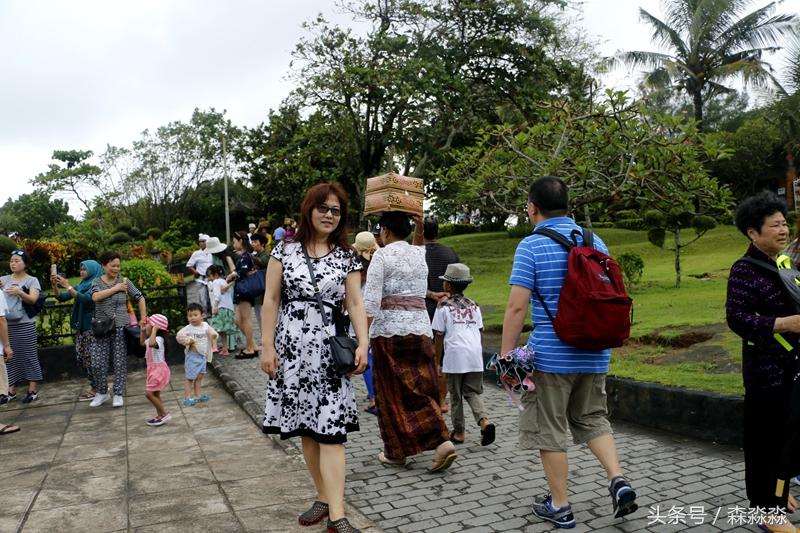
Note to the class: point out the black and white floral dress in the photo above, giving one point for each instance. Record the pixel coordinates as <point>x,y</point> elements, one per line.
<point>307,397</point>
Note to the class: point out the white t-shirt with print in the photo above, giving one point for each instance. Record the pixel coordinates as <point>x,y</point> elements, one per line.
<point>200,334</point>
<point>460,320</point>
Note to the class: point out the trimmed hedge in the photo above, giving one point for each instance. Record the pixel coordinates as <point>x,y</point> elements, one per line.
<point>448,230</point>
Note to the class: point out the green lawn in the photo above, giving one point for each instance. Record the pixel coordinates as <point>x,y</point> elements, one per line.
<point>658,305</point>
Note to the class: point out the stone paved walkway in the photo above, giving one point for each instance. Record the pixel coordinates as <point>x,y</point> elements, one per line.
<point>683,484</point>
<point>490,489</point>
<point>77,469</point>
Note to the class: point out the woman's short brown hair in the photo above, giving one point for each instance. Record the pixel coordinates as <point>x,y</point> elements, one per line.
<point>316,196</point>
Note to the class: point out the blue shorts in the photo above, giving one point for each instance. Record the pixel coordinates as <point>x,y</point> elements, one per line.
<point>194,365</point>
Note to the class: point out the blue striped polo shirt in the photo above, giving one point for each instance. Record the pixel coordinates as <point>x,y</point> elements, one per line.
<point>541,262</point>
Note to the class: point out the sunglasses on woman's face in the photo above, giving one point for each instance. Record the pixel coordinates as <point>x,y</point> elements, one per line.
<point>324,209</point>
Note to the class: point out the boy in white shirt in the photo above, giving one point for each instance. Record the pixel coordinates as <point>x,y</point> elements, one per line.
<point>457,326</point>
<point>200,340</point>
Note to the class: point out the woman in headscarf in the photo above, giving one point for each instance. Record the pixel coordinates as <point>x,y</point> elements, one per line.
<point>82,313</point>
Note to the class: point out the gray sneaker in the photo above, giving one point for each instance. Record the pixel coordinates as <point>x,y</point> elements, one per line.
<point>561,517</point>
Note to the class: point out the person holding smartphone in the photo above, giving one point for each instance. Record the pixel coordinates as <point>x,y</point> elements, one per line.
<point>81,318</point>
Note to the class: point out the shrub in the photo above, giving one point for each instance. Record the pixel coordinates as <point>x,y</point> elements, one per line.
<point>635,224</point>
<point>182,255</point>
<point>153,233</point>
<point>123,227</point>
<point>632,266</point>
<point>520,231</point>
<point>146,273</point>
<point>119,237</point>
<point>7,245</point>
<point>135,232</point>
<point>448,230</point>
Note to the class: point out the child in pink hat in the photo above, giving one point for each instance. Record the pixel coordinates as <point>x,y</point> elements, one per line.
<point>158,372</point>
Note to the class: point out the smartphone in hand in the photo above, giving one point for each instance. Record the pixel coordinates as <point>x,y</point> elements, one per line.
<point>53,270</point>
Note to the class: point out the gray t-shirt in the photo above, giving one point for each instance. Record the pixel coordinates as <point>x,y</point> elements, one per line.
<point>31,283</point>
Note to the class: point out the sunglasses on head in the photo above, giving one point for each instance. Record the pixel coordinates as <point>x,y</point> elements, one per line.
<point>20,253</point>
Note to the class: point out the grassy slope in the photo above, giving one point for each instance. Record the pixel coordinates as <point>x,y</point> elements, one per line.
<point>657,304</point>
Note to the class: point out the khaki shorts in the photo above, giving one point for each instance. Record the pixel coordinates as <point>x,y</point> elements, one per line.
<point>559,401</point>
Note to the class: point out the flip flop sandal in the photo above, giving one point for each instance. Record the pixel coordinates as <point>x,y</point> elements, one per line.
<point>487,435</point>
<point>454,440</point>
<point>385,461</point>
<point>85,397</point>
<point>7,428</point>
<point>444,463</point>
<point>314,514</point>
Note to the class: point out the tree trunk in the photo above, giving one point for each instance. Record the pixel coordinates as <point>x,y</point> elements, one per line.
<point>677,234</point>
<point>697,101</point>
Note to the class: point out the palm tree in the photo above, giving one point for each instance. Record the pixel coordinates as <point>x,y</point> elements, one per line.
<point>710,42</point>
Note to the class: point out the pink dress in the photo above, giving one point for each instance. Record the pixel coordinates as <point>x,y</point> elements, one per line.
<point>158,372</point>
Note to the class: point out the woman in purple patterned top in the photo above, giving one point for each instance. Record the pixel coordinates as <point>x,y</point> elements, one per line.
<point>759,312</point>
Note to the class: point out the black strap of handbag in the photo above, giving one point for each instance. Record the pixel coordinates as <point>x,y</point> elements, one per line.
<point>317,294</point>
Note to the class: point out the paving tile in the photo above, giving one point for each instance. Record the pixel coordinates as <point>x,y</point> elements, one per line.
<point>80,490</point>
<point>108,515</point>
<point>218,523</point>
<point>171,506</point>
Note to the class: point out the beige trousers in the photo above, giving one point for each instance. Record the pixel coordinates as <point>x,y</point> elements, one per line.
<point>3,376</point>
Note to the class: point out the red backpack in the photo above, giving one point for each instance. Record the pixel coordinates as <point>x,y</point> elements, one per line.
<point>594,310</point>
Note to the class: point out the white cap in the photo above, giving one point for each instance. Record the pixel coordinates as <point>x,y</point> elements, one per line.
<point>202,237</point>
<point>251,225</point>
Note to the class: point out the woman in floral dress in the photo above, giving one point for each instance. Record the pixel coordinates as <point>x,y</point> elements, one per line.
<point>305,395</point>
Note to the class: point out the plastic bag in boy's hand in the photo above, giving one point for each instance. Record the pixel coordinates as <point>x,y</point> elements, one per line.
<point>515,372</point>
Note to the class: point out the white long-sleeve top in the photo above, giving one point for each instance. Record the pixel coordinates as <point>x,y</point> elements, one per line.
<point>398,269</point>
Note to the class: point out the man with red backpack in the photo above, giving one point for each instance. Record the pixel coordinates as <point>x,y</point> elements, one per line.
<point>579,311</point>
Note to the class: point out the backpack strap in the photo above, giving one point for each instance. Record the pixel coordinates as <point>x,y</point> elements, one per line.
<point>758,262</point>
<point>772,268</point>
<point>569,244</point>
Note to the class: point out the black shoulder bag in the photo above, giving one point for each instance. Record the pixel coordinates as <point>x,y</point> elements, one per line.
<point>343,347</point>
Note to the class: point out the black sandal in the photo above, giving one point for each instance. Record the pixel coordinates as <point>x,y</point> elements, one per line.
<point>314,515</point>
<point>454,440</point>
<point>341,526</point>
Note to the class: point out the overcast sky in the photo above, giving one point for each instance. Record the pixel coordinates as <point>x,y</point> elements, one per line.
<point>85,73</point>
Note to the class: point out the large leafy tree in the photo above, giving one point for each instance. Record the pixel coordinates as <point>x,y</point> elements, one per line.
<point>427,75</point>
<point>156,179</point>
<point>34,215</point>
<point>709,43</point>
<point>75,176</point>
<point>609,150</point>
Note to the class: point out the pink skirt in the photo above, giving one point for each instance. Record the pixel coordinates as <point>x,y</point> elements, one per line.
<point>158,375</point>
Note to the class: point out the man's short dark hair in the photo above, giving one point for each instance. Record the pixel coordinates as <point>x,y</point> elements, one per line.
<point>194,306</point>
<point>397,223</point>
<point>754,210</point>
<point>430,229</point>
<point>260,237</point>
<point>550,195</point>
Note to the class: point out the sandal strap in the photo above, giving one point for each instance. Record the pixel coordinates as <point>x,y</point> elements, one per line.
<point>342,526</point>
<point>315,513</point>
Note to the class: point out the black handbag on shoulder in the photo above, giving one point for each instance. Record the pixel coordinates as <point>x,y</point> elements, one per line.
<point>103,327</point>
<point>343,347</point>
